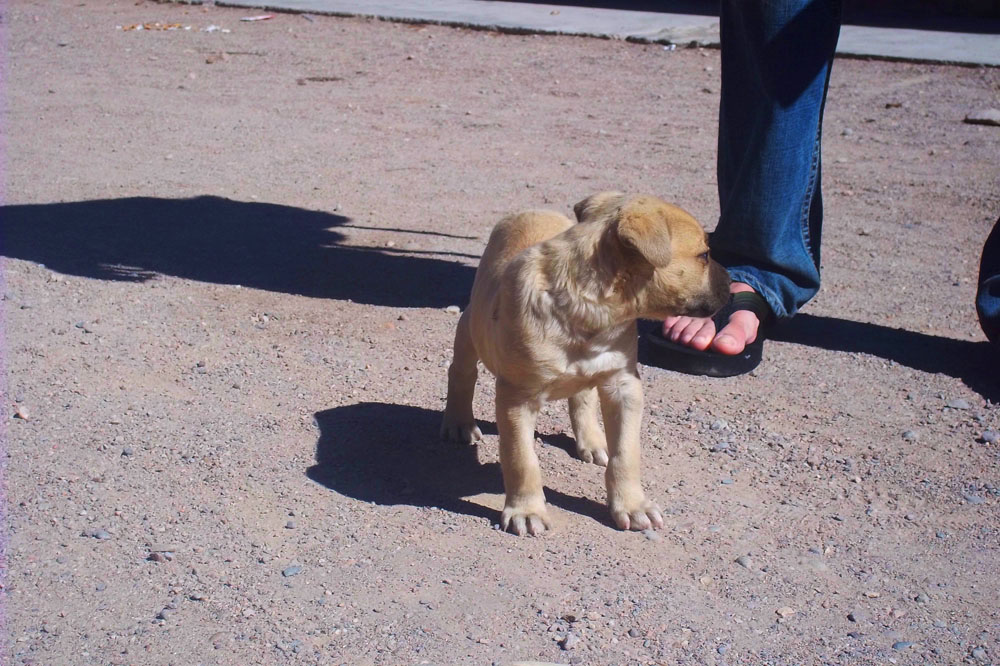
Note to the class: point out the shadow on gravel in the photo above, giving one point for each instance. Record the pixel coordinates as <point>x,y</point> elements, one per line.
<point>390,454</point>
<point>212,239</point>
<point>974,363</point>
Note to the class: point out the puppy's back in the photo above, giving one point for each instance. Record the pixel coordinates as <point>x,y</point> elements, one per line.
<point>512,235</point>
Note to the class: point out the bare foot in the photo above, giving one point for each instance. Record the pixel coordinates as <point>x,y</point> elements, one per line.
<point>699,333</point>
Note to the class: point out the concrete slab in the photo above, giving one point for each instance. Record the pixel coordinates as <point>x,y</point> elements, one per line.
<point>516,17</point>
<point>665,28</point>
<point>920,45</point>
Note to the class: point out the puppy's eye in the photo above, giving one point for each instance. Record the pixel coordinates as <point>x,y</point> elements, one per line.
<point>703,257</point>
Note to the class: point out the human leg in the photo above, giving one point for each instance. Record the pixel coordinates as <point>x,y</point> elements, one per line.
<point>988,294</point>
<point>776,59</point>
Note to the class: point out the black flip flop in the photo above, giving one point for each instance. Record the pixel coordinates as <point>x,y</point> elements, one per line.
<point>670,355</point>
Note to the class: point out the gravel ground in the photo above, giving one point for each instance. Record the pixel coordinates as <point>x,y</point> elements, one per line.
<point>229,260</point>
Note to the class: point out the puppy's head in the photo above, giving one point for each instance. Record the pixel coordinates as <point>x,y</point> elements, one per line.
<point>662,255</point>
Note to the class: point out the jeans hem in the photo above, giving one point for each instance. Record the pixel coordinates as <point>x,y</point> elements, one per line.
<point>769,295</point>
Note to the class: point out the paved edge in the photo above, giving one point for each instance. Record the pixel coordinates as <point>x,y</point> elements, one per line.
<point>513,17</point>
<point>895,44</point>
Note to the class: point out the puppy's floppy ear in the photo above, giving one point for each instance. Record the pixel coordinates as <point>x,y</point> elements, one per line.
<point>640,228</point>
<point>598,205</point>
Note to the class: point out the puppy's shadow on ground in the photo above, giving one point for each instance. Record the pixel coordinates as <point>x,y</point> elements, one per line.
<point>391,455</point>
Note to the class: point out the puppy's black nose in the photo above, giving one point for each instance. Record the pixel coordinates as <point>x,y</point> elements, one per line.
<point>718,280</point>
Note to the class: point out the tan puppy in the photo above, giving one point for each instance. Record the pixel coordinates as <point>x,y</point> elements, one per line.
<point>552,315</point>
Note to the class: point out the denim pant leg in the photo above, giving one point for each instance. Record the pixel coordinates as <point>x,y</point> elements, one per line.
<point>988,294</point>
<point>776,59</point>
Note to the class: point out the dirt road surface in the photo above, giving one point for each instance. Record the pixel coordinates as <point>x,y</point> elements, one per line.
<point>230,256</point>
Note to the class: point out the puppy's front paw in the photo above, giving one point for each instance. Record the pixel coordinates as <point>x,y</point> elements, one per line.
<point>531,519</point>
<point>461,432</point>
<point>592,452</point>
<point>643,516</point>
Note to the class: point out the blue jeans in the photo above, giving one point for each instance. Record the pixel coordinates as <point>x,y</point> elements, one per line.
<point>776,58</point>
<point>988,294</point>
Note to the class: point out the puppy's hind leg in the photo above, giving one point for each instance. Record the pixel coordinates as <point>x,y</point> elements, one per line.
<point>591,445</point>
<point>459,425</point>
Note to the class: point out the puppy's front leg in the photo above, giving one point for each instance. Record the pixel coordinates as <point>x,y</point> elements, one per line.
<point>621,405</point>
<point>524,507</point>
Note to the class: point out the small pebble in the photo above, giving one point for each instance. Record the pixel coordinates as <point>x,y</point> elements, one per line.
<point>290,525</point>
<point>164,614</point>
<point>720,447</point>
<point>744,561</point>
<point>634,633</point>
<point>719,424</point>
<point>990,437</point>
<point>958,403</point>
<point>941,535</point>
<point>973,499</point>
<point>293,570</point>
<point>128,451</point>
<point>984,117</point>
<point>569,642</point>
<point>910,435</point>
<point>979,654</point>
<point>921,598</point>
<point>940,624</point>
<point>453,309</point>
<point>901,645</point>
<point>855,616</point>
<point>651,534</point>
<point>785,611</point>
<point>22,413</point>
<point>723,649</point>
<point>99,534</point>
<point>100,587</point>
<point>727,482</point>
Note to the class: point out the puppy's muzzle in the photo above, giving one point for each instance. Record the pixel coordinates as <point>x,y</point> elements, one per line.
<point>715,297</point>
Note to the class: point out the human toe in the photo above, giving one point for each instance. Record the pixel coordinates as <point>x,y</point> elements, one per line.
<point>674,326</point>
<point>698,334</point>
<point>737,334</point>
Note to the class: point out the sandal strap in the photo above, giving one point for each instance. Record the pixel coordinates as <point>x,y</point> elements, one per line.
<point>755,303</point>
